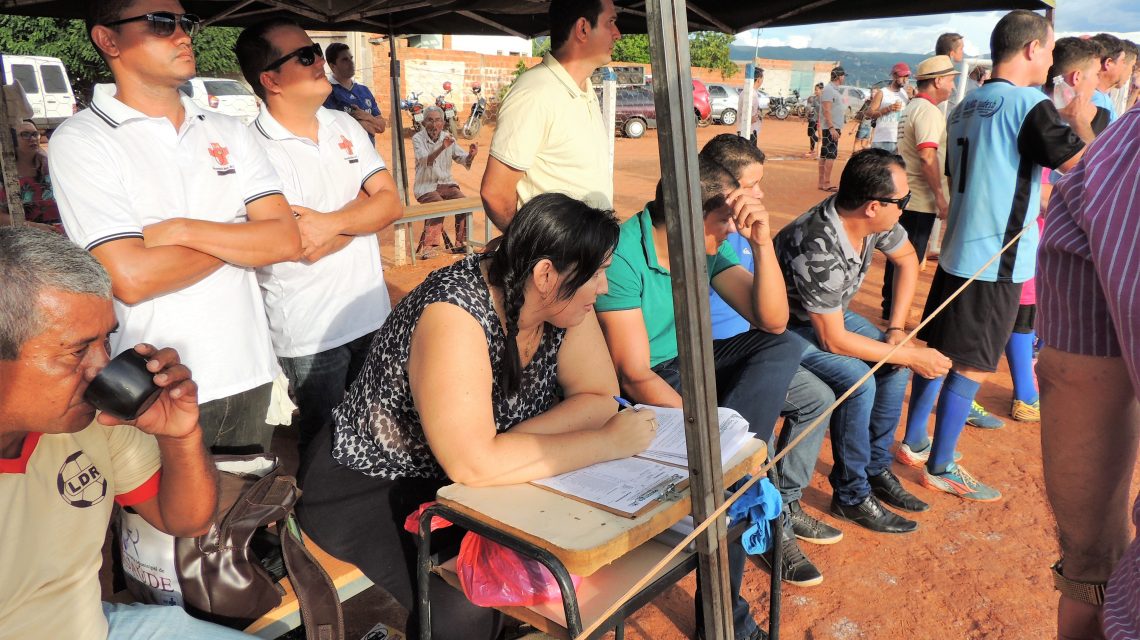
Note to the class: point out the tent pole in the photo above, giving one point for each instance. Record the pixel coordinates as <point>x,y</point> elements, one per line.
<point>677,142</point>
<point>399,162</point>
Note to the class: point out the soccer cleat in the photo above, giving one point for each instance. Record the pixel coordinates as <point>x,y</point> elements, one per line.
<point>917,458</point>
<point>983,419</point>
<point>1026,411</point>
<point>959,482</point>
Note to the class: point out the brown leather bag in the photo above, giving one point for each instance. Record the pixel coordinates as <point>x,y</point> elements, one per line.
<point>230,574</point>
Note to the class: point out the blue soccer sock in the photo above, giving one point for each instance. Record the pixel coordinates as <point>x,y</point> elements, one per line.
<point>923,395</point>
<point>1019,353</point>
<point>953,409</point>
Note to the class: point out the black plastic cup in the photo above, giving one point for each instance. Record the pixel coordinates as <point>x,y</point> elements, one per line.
<point>124,388</point>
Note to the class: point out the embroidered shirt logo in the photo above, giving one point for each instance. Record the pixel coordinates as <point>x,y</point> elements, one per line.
<point>221,155</point>
<point>346,144</point>
<point>80,482</point>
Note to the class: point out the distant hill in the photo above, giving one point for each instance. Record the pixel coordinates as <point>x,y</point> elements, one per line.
<point>864,68</point>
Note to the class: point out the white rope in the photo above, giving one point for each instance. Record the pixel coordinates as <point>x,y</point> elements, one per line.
<point>697,530</point>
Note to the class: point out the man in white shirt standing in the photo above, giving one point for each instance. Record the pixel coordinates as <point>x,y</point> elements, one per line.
<point>435,150</point>
<point>323,309</point>
<point>180,205</point>
<point>887,106</point>
<point>550,135</point>
<point>756,117</point>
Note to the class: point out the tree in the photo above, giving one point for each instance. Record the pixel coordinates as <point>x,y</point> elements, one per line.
<point>540,46</point>
<point>68,41</point>
<point>632,48</point>
<point>710,50</point>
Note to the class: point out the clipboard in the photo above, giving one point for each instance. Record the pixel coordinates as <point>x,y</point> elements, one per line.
<point>646,495</point>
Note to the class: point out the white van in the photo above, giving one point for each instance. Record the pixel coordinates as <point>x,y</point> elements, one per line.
<point>45,82</point>
<point>231,97</point>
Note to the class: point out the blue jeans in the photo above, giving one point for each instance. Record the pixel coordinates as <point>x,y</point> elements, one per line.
<point>863,427</point>
<point>808,396</point>
<point>156,622</point>
<point>753,371</point>
<point>236,424</point>
<point>320,380</point>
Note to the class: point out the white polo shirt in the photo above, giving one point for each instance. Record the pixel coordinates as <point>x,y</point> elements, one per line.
<point>315,307</point>
<point>116,171</point>
<point>552,130</point>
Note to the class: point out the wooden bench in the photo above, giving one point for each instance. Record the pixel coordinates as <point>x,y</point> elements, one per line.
<point>405,246</point>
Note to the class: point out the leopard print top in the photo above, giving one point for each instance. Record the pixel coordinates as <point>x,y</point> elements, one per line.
<point>377,429</point>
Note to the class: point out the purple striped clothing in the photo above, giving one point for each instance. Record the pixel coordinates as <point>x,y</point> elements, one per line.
<point>1088,284</point>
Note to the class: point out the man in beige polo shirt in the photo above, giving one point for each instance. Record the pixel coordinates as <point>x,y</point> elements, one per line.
<point>922,144</point>
<point>550,134</point>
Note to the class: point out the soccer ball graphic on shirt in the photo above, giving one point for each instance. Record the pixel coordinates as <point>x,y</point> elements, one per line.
<point>80,482</point>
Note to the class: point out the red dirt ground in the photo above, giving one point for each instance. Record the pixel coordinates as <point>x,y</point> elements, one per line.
<point>970,571</point>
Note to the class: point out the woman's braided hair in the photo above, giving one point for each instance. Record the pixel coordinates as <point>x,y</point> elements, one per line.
<point>574,236</point>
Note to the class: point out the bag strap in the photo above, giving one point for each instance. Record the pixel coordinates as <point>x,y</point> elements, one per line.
<point>316,595</point>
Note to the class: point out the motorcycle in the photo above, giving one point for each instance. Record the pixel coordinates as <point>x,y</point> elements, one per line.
<point>415,110</point>
<point>478,108</point>
<point>780,107</point>
<point>448,108</point>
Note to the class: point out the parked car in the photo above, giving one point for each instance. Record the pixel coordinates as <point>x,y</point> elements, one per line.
<point>223,95</point>
<point>724,101</point>
<point>634,111</point>
<point>45,83</point>
<point>702,104</point>
<point>854,98</point>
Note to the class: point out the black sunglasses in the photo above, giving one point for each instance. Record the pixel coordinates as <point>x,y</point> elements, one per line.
<point>305,55</point>
<point>901,202</point>
<point>162,23</point>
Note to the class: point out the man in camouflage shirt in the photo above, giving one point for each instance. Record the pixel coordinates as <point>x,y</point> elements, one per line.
<point>824,255</point>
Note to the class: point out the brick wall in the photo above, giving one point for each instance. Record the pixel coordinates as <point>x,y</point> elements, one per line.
<point>425,70</point>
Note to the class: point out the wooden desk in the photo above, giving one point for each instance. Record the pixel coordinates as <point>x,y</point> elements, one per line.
<point>569,536</point>
<point>405,247</point>
<point>582,537</point>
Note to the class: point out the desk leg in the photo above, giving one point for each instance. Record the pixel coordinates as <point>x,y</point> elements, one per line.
<point>524,548</point>
<point>423,576</point>
<point>401,231</point>
<point>486,229</point>
<point>777,567</point>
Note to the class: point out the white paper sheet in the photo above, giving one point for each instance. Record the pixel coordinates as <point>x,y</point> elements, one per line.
<point>625,485</point>
<point>669,445</point>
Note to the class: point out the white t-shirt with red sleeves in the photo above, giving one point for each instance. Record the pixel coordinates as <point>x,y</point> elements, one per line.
<point>56,501</point>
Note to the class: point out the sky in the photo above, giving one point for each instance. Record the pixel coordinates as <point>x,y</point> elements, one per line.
<point>917,35</point>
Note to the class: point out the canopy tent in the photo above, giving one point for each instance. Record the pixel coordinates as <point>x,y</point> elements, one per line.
<point>527,18</point>
<point>667,22</point>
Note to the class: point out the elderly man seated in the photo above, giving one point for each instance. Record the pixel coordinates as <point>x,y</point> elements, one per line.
<point>61,469</point>
<point>435,150</point>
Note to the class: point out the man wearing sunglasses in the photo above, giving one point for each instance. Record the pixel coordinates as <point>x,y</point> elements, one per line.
<point>349,96</point>
<point>825,254</point>
<point>179,204</point>
<point>323,309</point>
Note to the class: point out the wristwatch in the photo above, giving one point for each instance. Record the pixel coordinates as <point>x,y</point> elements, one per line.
<point>1087,592</point>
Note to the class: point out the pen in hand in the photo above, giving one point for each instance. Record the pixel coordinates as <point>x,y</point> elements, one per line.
<point>625,404</point>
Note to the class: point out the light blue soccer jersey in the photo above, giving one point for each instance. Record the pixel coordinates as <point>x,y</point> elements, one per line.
<point>1102,101</point>
<point>999,138</point>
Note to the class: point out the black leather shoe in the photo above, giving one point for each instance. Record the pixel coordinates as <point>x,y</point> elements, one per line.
<point>795,568</point>
<point>809,529</point>
<point>886,487</point>
<point>871,515</point>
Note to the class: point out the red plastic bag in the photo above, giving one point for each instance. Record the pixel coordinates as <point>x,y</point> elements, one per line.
<point>412,522</point>
<point>495,576</point>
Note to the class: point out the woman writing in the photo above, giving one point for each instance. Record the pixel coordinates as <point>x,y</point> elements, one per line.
<point>35,183</point>
<point>462,385</point>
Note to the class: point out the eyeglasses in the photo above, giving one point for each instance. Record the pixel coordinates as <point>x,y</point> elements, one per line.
<point>30,135</point>
<point>305,55</point>
<point>162,23</point>
<point>901,202</point>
